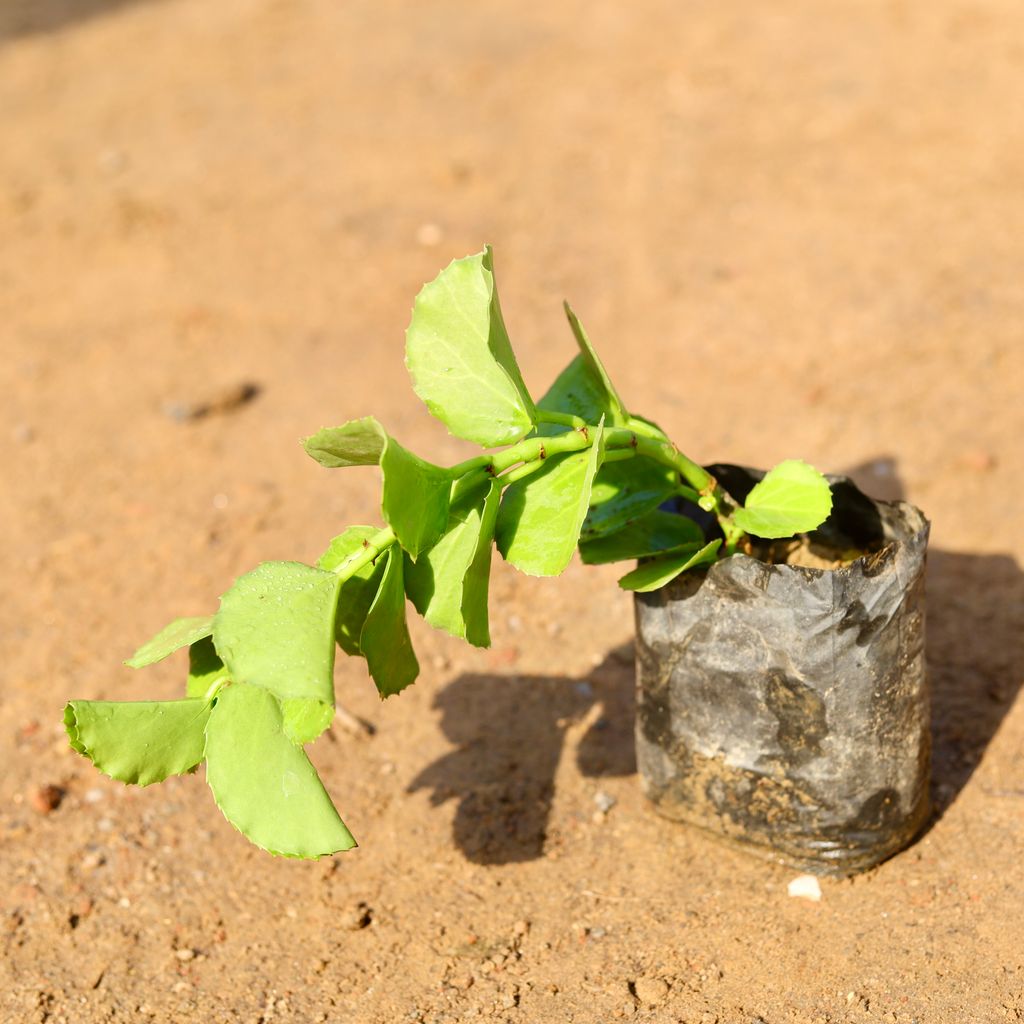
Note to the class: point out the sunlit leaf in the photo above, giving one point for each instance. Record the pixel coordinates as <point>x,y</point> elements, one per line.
<point>460,359</point>
<point>652,533</point>
<point>356,443</point>
<point>180,633</point>
<point>540,516</point>
<point>385,641</point>
<point>478,577</point>
<point>792,498</point>
<point>138,742</point>
<point>275,629</point>
<point>263,783</point>
<point>659,571</point>
<point>616,409</point>
<point>359,590</point>
<point>415,498</point>
<point>448,585</point>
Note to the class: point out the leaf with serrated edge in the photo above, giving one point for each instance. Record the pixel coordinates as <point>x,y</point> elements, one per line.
<point>139,742</point>
<point>460,358</point>
<point>659,571</point>
<point>478,577</point>
<point>414,499</point>
<point>359,590</point>
<point>356,443</point>
<point>180,633</point>
<point>651,534</point>
<point>275,629</point>
<point>263,783</point>
<point>204,667</point>
<point>541,515</point>
<point>792,498</point>
<point>625,491</point>
<point>385,641</point>
<point>617,414</point>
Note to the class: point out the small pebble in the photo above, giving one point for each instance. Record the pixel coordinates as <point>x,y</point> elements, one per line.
<point>650,991</point>
<point>184,955</point>
<point>45,799</point>
<point>357,917</point>
<point>520,928</point>
<point>805,887</point>
<point>604,801</point>
<point>93,796</point>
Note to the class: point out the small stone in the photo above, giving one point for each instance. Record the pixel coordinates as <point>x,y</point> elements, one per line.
<point>45,799</point>
<point>520,928</point>
<point>598,932</point>
<point>461,981</point>
<point>184,955</point>
<point>650,991</point>
<point>805,887</point>
<point>604,801</point>
<point>92,860</point>
<point>93,796</point>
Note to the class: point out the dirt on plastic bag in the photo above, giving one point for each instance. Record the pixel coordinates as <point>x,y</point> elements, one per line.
<point>786,707</point>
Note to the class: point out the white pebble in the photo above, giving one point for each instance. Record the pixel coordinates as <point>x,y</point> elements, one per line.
<point>805,887</point>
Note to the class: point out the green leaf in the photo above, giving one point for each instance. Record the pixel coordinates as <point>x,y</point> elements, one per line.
<point>651,534</point>
<point>305,718</point>
<point>204,667</point>
<point>448,585</point>
<point>460,358</point>
<point>625,491</point>
<point>415,498</point>
<point>610,397</point>
<point>792,498</point>
<point>275,630</point>
<point>356,443</point>
<point>385,641</point>
<point>478,578</point>
<point>659,571</point>
<point>263,783</point>
<point>138,742</point>
<point>180,633</point>
<point>541,515</point>
<point>359,590</point>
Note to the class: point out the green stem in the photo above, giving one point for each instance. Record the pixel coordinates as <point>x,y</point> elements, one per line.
<point>371,549</point>
<point>563,419</point>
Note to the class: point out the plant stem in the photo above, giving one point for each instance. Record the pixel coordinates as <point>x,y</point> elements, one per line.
<point>561,418</point>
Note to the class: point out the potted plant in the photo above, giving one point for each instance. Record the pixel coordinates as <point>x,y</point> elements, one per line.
<point>745,725</point>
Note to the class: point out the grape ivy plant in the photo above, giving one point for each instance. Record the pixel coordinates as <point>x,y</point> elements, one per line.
<point>576,469</point>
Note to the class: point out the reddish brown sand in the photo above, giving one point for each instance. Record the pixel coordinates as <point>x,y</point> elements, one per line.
<point>794,229</point>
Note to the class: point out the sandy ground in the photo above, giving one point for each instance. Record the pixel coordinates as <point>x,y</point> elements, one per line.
<point>793,229</point>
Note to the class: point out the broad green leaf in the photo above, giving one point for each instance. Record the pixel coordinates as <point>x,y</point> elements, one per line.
<point>541,515</point>
<point>478,578</point>
<point>651,534</point>
<point>305,718</point>
<point>575,391</point>
<point>460,359</point>
<point>792,498</point>
<point>625,491</point>
<point>204,667</point>
<point>263,783</point>
<point>415,498</point>
<point>445,584</point>
<point>356,443</point>
<point>275,630</point>
<point>138,742</point>
<point>659,571</point>
<point>359,590</point>
<point>385,641</point>
<point>616,409</point>
<point>180,633</point>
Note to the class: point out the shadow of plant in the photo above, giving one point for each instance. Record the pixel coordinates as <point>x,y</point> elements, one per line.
<point>32,17</point>
<point>509,731</point>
